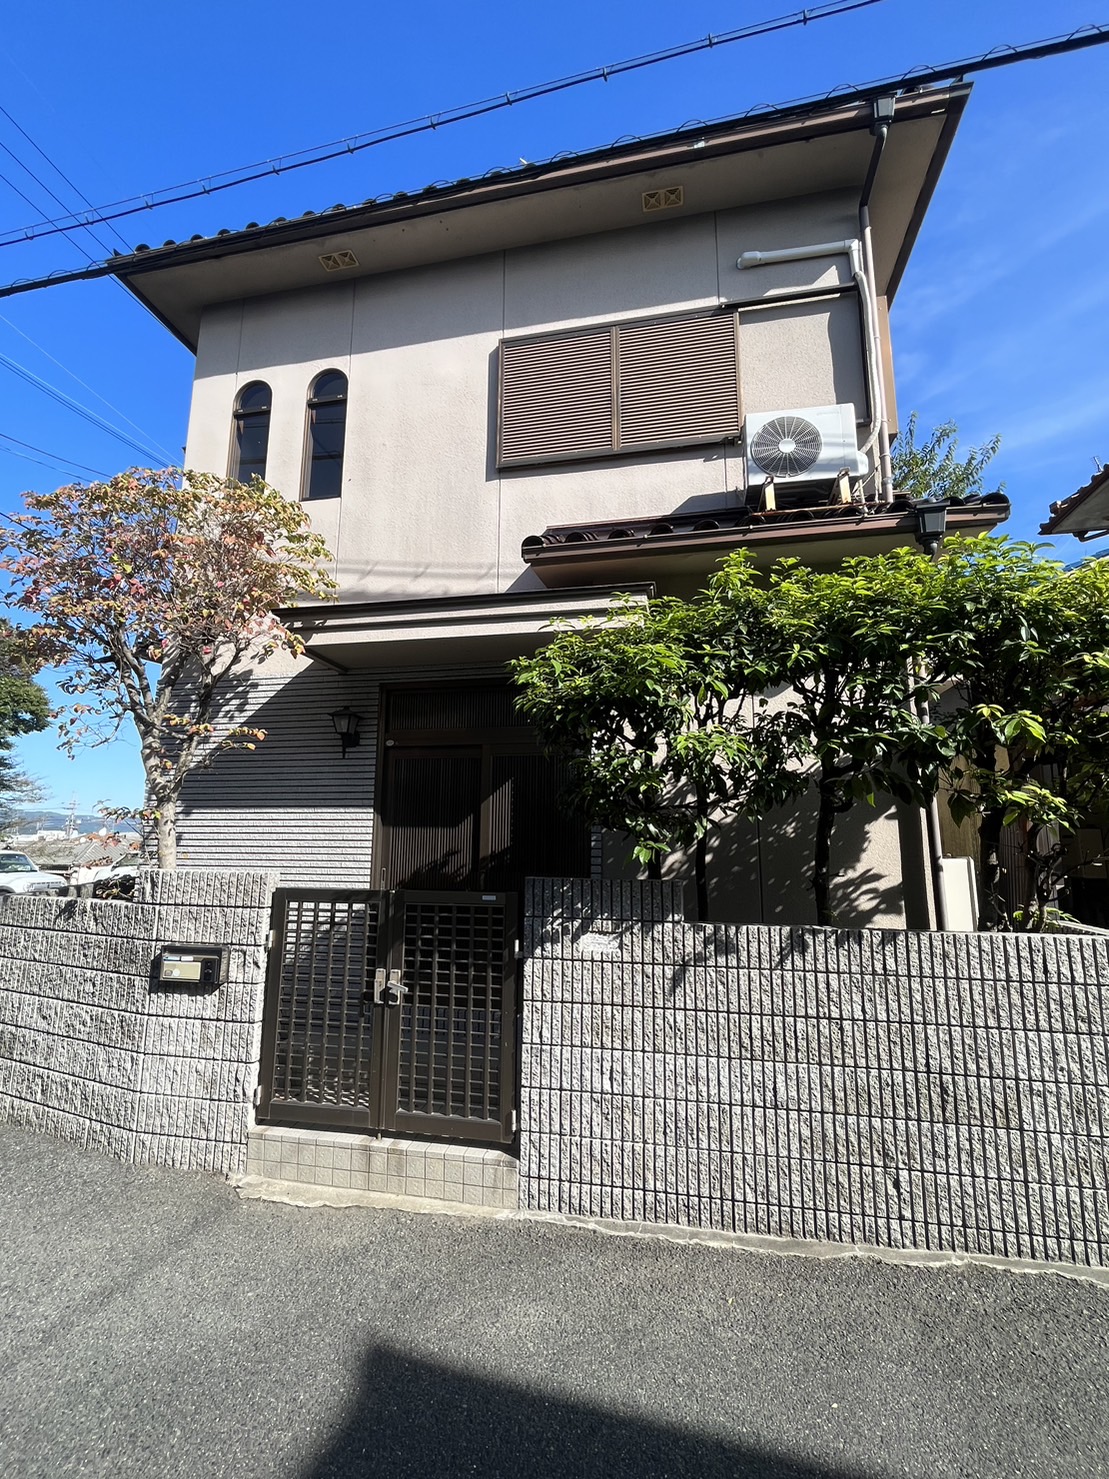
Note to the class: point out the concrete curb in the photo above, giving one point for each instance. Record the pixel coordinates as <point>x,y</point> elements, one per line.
<point>296,1194</point>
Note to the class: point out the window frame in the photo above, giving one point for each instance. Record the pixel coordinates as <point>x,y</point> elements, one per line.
<point>312,403</point>
<point>239,418</point>
<point>730,311</point>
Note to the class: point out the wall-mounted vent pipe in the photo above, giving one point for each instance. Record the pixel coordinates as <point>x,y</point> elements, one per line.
<point>852,249</point>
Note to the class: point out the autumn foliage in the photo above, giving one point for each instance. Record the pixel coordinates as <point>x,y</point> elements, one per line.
<point>149,591</point>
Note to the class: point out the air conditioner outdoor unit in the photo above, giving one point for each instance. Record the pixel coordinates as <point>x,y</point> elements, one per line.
<point>801,446</point>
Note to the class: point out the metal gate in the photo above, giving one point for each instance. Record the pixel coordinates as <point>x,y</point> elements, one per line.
<point>392,1011</point>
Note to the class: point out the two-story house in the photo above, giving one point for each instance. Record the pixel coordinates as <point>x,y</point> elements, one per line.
<point>503,400</point>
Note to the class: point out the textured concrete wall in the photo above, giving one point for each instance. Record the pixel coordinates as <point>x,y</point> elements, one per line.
<point>90,1053</point>
<point>424,511</point>
<point>884,1087</point>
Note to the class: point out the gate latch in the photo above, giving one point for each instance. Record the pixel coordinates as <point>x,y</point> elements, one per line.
<point>389,991</point>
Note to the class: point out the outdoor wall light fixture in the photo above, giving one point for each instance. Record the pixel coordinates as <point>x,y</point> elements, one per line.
<point>346,723</point>
<point>931,524</point>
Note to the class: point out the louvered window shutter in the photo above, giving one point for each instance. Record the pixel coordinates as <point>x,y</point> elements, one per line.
<point>626,386</point>
<point>556,396</point>
<point>678,381</point>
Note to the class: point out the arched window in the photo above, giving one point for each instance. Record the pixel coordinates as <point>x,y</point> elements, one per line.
<point>327,423</point>
<point>252,431</point>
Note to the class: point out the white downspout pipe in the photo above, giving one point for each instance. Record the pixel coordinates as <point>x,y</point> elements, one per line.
<point>855,250</point>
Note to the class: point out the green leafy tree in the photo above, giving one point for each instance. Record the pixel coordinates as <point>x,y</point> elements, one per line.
<point>851,642</point>
<point>652,708</point>
<point>19,792</point>
<point>149,591</point>
<point>24,709</point>
<point>933,468</point>
<point>1027,664</point>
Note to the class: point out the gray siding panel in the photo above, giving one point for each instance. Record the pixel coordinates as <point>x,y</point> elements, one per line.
<point>293,804</point>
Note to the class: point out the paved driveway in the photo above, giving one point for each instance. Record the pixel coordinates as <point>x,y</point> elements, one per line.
<point>154,1324</point>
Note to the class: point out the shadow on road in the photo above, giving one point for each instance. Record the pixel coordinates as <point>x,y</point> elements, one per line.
<point>414,1417</point>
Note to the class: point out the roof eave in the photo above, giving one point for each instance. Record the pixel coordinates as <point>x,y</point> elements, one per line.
<point>705,142</point>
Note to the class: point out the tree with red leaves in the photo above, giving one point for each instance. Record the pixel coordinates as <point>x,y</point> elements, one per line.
<point>149,591</point>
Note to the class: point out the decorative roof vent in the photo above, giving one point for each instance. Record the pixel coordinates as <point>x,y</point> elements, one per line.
<point>338,261</point>
<point>665,199</point>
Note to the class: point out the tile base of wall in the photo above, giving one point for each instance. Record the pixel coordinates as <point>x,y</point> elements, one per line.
<point>466,1174</point>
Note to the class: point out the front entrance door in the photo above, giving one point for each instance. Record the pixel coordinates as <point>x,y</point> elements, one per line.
<point>468,800</point>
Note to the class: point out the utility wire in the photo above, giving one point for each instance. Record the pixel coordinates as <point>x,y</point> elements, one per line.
<point>38,461</point>
<point>53,196</point>
<point>429,123</point>
<point>162,455</point>
<point>62,175</point>
<point>1006,56</point>
<point>85,386</point>
<point>56,457</point>
<point>76,406</point>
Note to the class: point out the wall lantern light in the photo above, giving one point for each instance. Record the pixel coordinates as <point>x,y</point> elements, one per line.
<point>931,524</point>
<point>346,723</point>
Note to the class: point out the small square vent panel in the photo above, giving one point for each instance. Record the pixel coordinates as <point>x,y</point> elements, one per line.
<point>665,199</point>
<point>338,261</point>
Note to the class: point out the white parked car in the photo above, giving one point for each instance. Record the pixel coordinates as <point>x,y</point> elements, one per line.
<point>18,875</point>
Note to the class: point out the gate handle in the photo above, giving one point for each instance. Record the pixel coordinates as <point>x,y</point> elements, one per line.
<point>389,991</point>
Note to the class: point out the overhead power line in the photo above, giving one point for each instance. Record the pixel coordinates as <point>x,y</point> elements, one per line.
<point>1006,56</point>
<point>39,150</point>
<point>88,256</point>
<point>429,123</point>
<point>76,406</point>
<point>56,458</point>
<point>162,453</point>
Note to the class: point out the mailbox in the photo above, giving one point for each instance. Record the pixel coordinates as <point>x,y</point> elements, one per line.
<point>199,967</point>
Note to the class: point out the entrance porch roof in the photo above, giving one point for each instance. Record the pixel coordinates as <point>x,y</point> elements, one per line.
<point>455,630</point>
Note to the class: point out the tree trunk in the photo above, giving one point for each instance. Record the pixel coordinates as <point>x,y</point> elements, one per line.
<point>822,852</point>
<point>992,916</point>
<point>166,833</point>
<point>700,861</point>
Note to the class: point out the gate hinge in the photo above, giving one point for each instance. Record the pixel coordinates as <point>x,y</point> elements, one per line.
<point>513,1122</point>
<point>269,939</point>
<point>256,1097</point>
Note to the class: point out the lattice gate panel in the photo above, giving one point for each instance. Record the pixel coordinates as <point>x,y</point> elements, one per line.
<point>457,1024</point>
<point>317,1067</point>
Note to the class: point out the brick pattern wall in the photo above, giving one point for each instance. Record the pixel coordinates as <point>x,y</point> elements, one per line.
<point>90,1053</point>
<point>882,1087</point>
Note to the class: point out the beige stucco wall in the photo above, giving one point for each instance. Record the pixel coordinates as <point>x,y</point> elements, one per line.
<point>424,511</point>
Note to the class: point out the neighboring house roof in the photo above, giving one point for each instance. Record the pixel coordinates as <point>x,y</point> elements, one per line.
<point>1085,513</point>
<point>774,155</point>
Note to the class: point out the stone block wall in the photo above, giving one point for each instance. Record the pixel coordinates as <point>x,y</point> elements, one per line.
<point>881,1087</point>
<point>90,1052</point>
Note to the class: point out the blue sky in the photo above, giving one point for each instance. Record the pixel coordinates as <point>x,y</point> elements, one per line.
<point>999,322</point>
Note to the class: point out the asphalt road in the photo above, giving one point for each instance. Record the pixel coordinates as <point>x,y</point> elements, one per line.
<point>154,1324</point>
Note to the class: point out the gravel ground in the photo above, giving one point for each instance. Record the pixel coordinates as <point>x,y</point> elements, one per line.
<point>155,1324</point>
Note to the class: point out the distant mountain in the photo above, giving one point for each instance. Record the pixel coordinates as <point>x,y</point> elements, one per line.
<point>57,821</point>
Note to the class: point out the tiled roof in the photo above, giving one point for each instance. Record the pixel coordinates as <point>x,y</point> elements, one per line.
<point>705,525</point>
<point>534,170</point>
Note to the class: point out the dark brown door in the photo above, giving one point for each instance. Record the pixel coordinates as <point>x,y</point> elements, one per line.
<point>477,817</point>
<point>431,817</point>
<point>450,1042</point>
<point>467,799</point>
